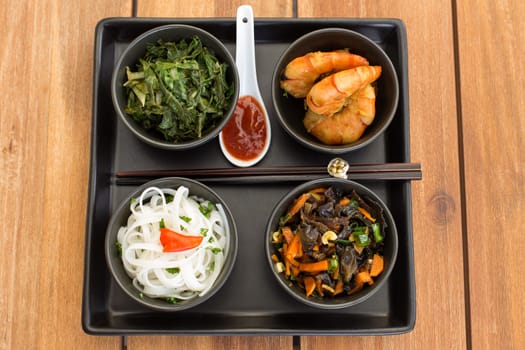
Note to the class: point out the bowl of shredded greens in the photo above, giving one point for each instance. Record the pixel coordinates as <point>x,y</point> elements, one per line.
<point>175,87</point>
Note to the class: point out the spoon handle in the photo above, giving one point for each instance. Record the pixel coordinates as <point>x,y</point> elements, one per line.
<point>245,46</point>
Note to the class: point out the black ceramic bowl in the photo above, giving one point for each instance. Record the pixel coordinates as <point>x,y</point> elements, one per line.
<point>119,219</point>
<point>291,111</point>
<point>137,49</point>
<point>342,300</point>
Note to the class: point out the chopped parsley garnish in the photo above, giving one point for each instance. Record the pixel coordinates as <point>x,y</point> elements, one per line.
<point>173,270</point>
<point>171,300</point>
<point>162,224</point>
<point>204,231</point>
<point>215,250</point>
<point>119,248</point>
<point>206,209</point>
<point>185,218</point>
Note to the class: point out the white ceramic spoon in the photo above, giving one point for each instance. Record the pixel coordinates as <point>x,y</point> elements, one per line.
<point>245,61</point>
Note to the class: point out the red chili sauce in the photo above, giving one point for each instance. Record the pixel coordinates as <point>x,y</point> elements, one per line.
<point>245,134</point>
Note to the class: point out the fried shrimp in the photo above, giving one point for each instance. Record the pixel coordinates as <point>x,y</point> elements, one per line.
<point>334,92</point>
<point>302,72</point>
<point>347,125</point>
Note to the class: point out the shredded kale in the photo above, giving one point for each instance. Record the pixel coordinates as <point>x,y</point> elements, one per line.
<point>179,90</point>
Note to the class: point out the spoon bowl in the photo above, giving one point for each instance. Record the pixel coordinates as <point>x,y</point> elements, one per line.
<point>249,88</point>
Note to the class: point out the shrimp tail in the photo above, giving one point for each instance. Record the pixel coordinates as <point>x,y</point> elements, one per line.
<point>332,93</point>
<point>302,72</point>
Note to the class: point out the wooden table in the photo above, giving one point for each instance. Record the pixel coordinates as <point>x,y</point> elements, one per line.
<point>467,112</point>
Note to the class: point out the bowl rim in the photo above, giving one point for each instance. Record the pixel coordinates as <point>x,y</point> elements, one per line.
<point>129,123</point>
<point>356,298</point>
<point>109,242</point>
<point>312,143</point>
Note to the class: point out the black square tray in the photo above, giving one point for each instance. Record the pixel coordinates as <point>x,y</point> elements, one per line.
<point>251,302</point>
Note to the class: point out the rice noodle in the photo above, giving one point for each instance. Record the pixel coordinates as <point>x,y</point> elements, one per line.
<point>179,275</point>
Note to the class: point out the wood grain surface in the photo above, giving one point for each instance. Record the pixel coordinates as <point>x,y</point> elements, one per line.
<point>467,111</point>
<point>492,76</point>
<point>46,69</point>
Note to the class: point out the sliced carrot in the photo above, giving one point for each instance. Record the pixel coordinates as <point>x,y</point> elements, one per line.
<point>287,234</point>
<point>286,262</point>
<point>275,259</point>
<point>364,277</point>
<point>287,268</point>
<point>294,270</point>
<point>309,285</point>
<point>377,265</point>
<point>295,248</point>
<point>338,287</point>
<point>315,248</point>
<point>318,190</point>
<point>335,274</point>
<point>356,289</point>
<point>366,214</point>
<point>344,201</point>
<point>297,205</point>
<point>319,286</point>
<point>317,266</point>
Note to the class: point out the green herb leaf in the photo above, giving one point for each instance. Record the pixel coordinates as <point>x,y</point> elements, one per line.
<point>173,270</point>
<point>215,250</point>
<point>206,209</point>
<point>171,300</point>
<point>119,248</point>
<point>185,218</point>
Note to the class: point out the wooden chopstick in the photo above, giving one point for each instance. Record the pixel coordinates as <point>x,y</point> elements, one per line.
<point>381,171</point>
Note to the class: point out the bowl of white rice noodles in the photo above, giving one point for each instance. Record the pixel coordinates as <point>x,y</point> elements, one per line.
<point>171,244</point>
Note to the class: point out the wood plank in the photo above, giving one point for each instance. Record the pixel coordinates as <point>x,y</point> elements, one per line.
<point>213,8</point>
<point>45,128</point>
<point>216,8</point>
<point>437,223</point>
<point>492,76</point>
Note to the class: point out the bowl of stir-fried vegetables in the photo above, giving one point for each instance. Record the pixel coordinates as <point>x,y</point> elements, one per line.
<point>331,243</point>
<point>175,87</point>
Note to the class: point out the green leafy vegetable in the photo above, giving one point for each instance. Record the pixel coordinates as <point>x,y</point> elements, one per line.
<point>179,90</point>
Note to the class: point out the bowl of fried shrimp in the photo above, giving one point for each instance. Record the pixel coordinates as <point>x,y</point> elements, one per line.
<point>331,243</point>
<point>171,244</point>
<point>335,90</point>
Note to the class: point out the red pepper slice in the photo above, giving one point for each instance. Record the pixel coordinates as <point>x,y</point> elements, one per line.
<point>176,242</point>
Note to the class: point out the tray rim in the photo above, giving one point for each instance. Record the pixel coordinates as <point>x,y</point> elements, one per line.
<point>92,329</point>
